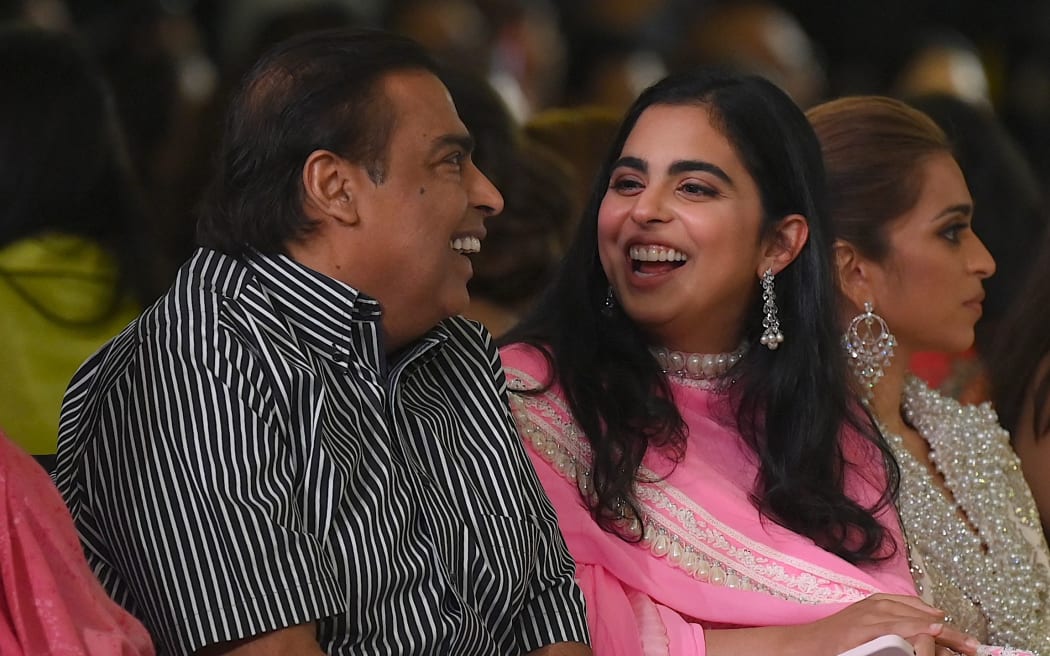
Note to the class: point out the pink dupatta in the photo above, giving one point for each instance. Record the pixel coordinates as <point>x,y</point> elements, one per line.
<point>50,601</point>
<point>708,560</point>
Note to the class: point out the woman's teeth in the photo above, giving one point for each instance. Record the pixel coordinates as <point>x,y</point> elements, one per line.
<point>656,254</point>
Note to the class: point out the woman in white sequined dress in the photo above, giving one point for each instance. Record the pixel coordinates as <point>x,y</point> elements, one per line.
<point>911,271</point>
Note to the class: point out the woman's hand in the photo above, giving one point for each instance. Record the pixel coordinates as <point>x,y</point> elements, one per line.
<point>882,614</point>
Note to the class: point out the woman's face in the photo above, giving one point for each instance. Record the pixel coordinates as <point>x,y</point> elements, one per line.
<point>679,231</point>
<point>929,286</point>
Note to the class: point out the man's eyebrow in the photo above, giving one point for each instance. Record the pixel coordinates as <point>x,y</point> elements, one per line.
<point>464,142</point>
<point>686,165</point>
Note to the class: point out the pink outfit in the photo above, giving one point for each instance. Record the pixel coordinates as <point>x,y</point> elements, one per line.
<point>50,602</point>
<point>708,560</point>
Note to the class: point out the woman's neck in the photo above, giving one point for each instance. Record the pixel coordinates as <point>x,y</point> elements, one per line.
<point>889,391</point>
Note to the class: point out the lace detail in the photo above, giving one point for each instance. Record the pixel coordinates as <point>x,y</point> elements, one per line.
<point>995,584</point>
<point>674,526</point>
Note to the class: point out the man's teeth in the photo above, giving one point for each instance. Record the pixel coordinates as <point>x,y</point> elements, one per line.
<point>466,244</point>
<point>657,254</point>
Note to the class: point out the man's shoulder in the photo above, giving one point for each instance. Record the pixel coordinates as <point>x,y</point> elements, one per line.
<point>200,303</point>
<point>210,278</point>
<point>208,285</point>
<point>467,338</point>
<point>466,332</point>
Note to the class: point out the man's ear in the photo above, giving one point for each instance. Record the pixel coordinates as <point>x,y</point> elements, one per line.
<point>328,189</point>
<point>784,244</point>
<point>853,272</point>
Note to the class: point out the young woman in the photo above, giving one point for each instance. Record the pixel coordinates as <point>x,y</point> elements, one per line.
<point>911,270</point>
<point>682,395</point>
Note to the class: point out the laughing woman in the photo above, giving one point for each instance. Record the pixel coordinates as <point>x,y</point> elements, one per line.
<point>911,271</point>
<point>682,396</point>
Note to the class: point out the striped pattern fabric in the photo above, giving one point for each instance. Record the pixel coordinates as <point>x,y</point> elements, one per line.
<point>244,458</point>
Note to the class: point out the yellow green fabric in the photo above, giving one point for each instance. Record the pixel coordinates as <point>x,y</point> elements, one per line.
<point>58,305</point>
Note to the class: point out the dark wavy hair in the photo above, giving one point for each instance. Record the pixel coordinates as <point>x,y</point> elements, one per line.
<point>319,90</point>
<point>790,405</point>
<point>1021,348</point>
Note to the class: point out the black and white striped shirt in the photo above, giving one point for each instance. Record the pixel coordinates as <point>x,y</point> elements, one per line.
<point>244,458</point>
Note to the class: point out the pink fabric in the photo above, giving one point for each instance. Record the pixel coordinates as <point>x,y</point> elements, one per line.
<point>50,602</point>
<point>640,602</point>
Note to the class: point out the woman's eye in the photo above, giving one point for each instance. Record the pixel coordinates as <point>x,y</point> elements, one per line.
<point>697,189</point>
<point>952,232</point>
<point>626,185</point>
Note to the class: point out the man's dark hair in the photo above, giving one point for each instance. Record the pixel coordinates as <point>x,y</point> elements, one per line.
<point>320,90</point>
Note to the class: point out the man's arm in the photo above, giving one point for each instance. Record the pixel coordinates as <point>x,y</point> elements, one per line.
<point>554,612</point>
<point>294,641</point>
<point>195,490</point>
<point>563,649</point>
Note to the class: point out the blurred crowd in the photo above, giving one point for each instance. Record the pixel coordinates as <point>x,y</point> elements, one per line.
<point>112,112</point>
<point>541,85</point>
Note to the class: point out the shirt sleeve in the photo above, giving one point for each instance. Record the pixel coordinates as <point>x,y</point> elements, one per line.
<point>194,488</point>
<point>555,610</point>
<point>623,621</point>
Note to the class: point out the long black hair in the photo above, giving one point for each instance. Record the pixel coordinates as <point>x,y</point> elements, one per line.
<point>790,405</point>
<point>1021,348</point>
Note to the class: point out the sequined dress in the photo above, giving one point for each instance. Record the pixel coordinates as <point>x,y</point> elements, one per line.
<point>994,584</point>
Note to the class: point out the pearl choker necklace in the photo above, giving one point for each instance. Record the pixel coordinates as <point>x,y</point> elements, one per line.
<point>698,366</point>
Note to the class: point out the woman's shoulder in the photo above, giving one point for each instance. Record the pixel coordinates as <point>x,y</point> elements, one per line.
<point>923,404</point>
<point>526,365</point>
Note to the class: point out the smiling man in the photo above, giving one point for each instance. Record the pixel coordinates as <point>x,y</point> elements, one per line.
<point>300,449</point>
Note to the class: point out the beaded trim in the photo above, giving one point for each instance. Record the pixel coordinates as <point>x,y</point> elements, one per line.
<point>1002,572</point>
<point>676,527</point>
<point>698,366</point>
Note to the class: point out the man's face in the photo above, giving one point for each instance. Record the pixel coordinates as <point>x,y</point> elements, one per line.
<point>425,215</point>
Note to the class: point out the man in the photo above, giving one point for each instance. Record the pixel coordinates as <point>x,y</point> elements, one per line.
<point>297,450</point>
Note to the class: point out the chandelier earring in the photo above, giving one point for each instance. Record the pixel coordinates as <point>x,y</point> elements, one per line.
<point>771,338</point>
<point>869,346</point>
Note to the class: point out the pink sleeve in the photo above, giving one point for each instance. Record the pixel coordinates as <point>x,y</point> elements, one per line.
<point>50,601</point>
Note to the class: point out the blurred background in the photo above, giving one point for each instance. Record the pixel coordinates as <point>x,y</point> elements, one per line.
<point>171,62</point>
<point>540,83</point>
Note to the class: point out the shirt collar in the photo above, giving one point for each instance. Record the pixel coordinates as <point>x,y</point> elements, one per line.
<point>333,316</point>
<point>322,309</point>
